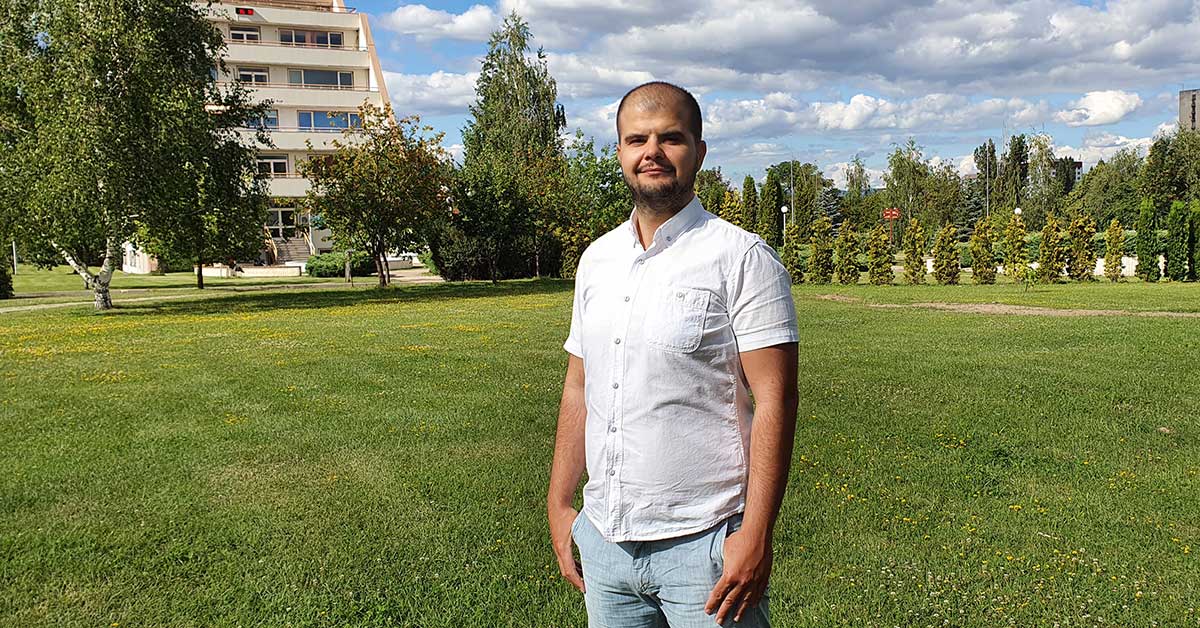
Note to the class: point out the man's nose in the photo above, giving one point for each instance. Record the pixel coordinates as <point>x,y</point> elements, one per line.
<point>653,148</point>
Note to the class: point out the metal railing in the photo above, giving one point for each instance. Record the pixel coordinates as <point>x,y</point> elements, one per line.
<point>298,129</point>
<point>287,45</point>
<point>302,6</point>
<point>340,88</point>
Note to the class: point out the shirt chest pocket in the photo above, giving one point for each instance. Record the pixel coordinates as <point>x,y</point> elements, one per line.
<point>675,319</point>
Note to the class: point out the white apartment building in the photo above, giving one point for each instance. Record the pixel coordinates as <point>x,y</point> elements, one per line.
<point>316,61</point>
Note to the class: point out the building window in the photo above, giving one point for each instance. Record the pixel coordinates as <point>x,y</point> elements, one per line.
<point>321,78</point>
<point>244,34</point>
<point>319,39</point>
<point>329,120</point>
<point>273,165</point>
<point>269,120</point>
<point>253,75</point>
<point>281,222</point>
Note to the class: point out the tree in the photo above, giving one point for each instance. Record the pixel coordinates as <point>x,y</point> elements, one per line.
<point>768,226</point>
<point>710,187</point>
<point>1109,190</point>
<point>512,160</point>
<point>879,257</point>
<point>1193,247</point>
<point>987,174</point>
<point>1043,188</point>
<point>6,284</point>
<point>1157,180</point>
<point>858,187</point>
<point>1064,171</point>
<point>914,252</point>
<point>1052,254</point>
<point>946,262</point>
<point>906,178</point>
<point>749,205</point>
<point>791,257</point>
<point>1114,241</point>
<point>731,208</point>
<point>1081,258</point>
<point>595,198</point>
<point>381,185</point>
<point>821,253</point>
<point>96,97</point>
<point>1014,174</point>
<point>801,186</point>
<point>943,197</point>
<point>983,261</point>
<point>846,255</point>
<point>1176,249</point>
<point>1014,248</point>
<point>1147,243</point>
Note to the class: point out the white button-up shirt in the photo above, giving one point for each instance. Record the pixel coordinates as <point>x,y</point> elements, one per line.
<point>668,406</point>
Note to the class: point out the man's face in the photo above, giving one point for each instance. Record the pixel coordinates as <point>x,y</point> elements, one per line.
<point>659,156</point>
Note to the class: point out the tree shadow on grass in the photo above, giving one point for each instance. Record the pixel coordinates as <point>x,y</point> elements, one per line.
<point>297,299</point>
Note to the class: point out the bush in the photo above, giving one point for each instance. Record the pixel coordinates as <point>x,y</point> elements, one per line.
<point>1052,255</point>
<point>946,256</point>
<point>1178,233</point>
<point>790,256</point>
<point>914,252</point>
<point>879,258</point>
<point>979,249</point>
<point>821,259</point>
<point>1015,251</point>
<point>1147,243</point>
<point>1081,258</point>
<point>6,285</point>
<point>334,265</point>
<point>1114,248</point>
<point>846,258</point>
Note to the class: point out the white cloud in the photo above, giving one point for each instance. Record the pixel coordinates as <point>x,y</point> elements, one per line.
<point>431,94</point>
<point>474,24</point>
<point>838,173</point>
<point>1098,108</point>
<point>1097,146</point>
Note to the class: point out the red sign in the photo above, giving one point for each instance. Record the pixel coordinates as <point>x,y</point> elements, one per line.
<point>891,213</point>
<point>245,11</point>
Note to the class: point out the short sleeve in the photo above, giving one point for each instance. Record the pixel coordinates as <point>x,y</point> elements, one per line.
<point>760,301</point>
<point>574,343</point>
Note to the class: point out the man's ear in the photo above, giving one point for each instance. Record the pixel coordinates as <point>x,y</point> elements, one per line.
<point>701,151</point>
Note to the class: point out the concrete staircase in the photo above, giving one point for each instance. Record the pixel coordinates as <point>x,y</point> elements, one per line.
<point>291,250</point>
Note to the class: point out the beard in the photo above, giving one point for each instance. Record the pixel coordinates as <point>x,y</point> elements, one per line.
<point>662,198</point>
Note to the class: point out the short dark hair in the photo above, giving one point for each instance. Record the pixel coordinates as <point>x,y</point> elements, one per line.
<point>657,93</point>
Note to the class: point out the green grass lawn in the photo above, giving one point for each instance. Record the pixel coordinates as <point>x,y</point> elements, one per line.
<point>61,279</point>
<point>379,458</point>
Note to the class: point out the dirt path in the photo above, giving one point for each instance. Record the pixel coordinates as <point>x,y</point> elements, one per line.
<point>1003,308</point>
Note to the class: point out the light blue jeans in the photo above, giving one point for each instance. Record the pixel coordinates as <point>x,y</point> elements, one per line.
<point>655,584</point>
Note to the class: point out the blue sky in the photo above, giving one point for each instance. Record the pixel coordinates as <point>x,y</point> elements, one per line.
<point>825,80</point>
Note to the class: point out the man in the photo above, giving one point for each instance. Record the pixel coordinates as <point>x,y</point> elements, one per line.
<point>678,316</point>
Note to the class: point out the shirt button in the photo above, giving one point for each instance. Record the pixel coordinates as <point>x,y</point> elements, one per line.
<point>668,238</point>
<point>613,429</point>
<point>616,385</point>
<point>678,295</point>
<point>617,341</point>
<point>612,471</point>
<point>627,299</point>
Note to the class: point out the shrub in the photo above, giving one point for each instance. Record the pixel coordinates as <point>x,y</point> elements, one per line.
<point>1114,247</point>
<point>879,258</point>
<point>821,259</point>
<point>1014,247</point>
<point>983,261</point>
<point>1147,243</point>
<point>792,261</point>
<point>914,252</point>
<point>1193,229</point>
<point>846,257</point>
<point>1052,255</point>
<point>334,264</point>
<point>946,267</point>
<point>1081,258</point>
<point>6,284</point>
<point>1176,247</point>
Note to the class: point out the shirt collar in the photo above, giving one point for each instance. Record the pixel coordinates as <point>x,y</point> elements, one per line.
<point>669,231</point>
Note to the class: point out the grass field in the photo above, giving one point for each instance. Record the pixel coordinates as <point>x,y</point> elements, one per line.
<point>379,458</point>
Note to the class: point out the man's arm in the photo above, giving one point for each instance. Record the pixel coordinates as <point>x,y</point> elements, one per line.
<point>771,373</point>
<point>565,473</point>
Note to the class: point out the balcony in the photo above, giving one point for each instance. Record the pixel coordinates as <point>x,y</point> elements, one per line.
<point>267,53</point>
<point>293,14</point>
<point>288,185</point>
<point>319,96</point>
<point>295,139</point>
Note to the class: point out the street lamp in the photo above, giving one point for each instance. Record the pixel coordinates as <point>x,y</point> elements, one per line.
<point>1017,211</point>
<point>784,210</point>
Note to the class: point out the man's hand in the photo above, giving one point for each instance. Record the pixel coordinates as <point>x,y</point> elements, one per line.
<point>744,579</point>
<point>561,520</point>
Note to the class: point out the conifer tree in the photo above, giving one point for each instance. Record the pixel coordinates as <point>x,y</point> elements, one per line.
<point>6,287</point>
<point>768,227</point>
<point>879,257</point>
<point>846,256</point>
<point>1014,248</point>
<point>1114,240</point>
<point>749,204</point>
<point>946,261</point>
<point>731,208</point>
<point>791,258</point>
<point>1052,254</point>
<point>821,256</point>
<point>1147,243</point>
<point>1193,232</point>
<point>914,252</point>
<point>1177,241</point>
<point>1081,258</point>
<point>983,261</point>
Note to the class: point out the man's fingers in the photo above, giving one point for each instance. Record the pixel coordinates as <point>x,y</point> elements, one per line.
<point>717,595</point>
<point>749,600</point>
<point>732,598</point>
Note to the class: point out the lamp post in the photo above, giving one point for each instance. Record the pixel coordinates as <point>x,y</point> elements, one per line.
<point>784,211</point>
<point>1017,211</point>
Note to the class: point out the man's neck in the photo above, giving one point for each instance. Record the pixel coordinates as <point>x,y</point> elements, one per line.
<point>649,220</point>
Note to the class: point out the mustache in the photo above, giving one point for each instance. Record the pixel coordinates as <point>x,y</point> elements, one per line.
<point>664,168</point>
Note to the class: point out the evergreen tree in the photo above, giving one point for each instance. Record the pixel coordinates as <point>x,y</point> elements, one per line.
<point>1015,260</point>
<point>1052,255</point>
<point>914,252</point>
<point>947,264</point>
<point>1176,248</point>
<point>6,286</point>
<point>749,220</point>
<point>988,173</point>
<point>1081,257</point>
<point>1156,179</point>
<point>1014,174</point>
<point>731,208</point>
<point>791,257</point>
<point>879,257</point>
<point>1043,191</point>
<point>830,205</point>
<point>1147,243</point>
<point>846,257</point>
<point>1193,233</point>
<point>768,226</point>
<point>858,186</point>
<point>710,187</point>
<point>983,261</point>
<point>1114,240</point>
<point>821,253</point>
